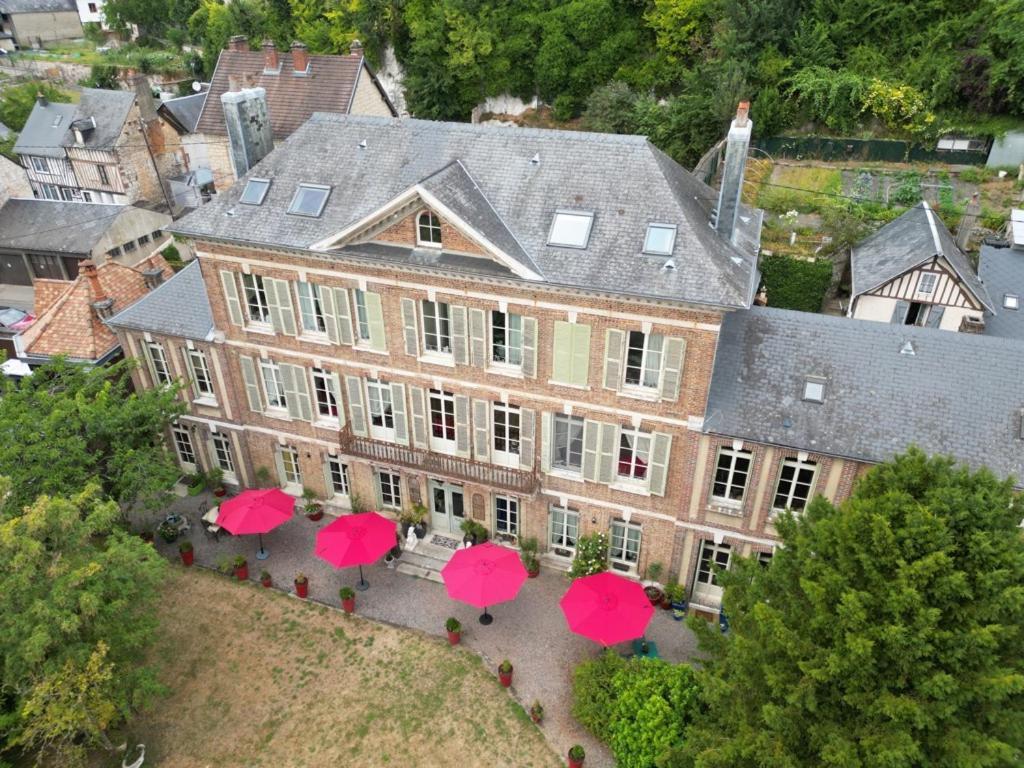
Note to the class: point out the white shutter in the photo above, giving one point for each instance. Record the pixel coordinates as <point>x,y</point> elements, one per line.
<point>657,474</point>
<point>334,381</point>
<point>530,347</point>
<point>420,438</point>
<point>477,338</point>
<point>282,479</point>
<point>279,302</point>
<point>343,310</point>
<point>296,391</point>
<point>527,431</point>
<point>672,367</point>
<point>399,413</point>
<point>330,313</point>
<point>546,423</point>
<point>412,338</point>
<point>375,318</point>
<point>580,354</point>
<point>608,453</point>
<point>252,387</point>
<point>591,449</point>
<point>614,349</point>
<point>460,352</point>
<point>462,425</point>
<point>227,281</point>
<point>356,405</point>
<point>190,373</point>
<point>481,430</point>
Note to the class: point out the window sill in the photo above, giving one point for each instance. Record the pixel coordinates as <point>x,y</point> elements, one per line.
<point>315,338</point>
<point>637,490</point>
<point>564,474</point>
<point>581,387</point>
<point>448,361</point>
<point>230,478</point>
<point>638,394</point>
<point>340,502</point>
<point>208,402</point>
<point>365,347</point>
<point>262,330</point>
<point>511,371</point>
<point>281,414</point>
<point>723,508</point>
<point>326,423</point>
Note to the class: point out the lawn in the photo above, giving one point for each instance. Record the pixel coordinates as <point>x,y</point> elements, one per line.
<point>259,678</point>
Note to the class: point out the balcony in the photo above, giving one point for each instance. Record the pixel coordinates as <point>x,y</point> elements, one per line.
<point>514,480</point>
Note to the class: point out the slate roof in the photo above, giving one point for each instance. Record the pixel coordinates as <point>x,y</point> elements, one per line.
<point>1002,270</point>
<point>44,130</point>
<point>291,100</point>
<point>45,135</point>
<point>37,6</point>
<point>185,110</point>
<point>624,180</point>
<point>179,307</point>
<point>903,244</point>
<point>959,394</point>
<point>55,225</point>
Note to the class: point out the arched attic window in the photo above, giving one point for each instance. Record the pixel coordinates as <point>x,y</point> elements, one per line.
<point>428,229</point>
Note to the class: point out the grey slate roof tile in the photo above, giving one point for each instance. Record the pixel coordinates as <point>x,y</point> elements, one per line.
<point>55,225</point>
<point>43,134</point>
<point>180,307</point>
<point>47,136</point>
<point>1002,271</point>
<point>186,109</point>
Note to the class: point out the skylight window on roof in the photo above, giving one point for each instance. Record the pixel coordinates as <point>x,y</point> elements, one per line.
<point>255,191</point>
<point>660,239</point>
<point>309,200</point>
<point>814,390</point>
<point>1011,301</point>
<point>571,229</point>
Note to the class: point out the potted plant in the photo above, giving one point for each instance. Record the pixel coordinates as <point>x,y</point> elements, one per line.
<point>313,509</point>
<point>185,550</point>
<point>215,482</point>
<point>474,532</point>
<point>265,579</point>
<point>348,599</point>
<point>454,629</point>
<point>241,566</point>
<point>677,598</point>
<point>301,585</point>
<point>536,712</point>
<point>529,557</point>
<point>652,588</point>
<point>168,532</point>
<point>505,673</point>
<point>196,484</point>
<point>576,756</point>
<point>406,520</point>
<point>419,520</point>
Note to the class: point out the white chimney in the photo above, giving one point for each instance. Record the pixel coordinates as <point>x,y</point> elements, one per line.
<point>737,144</point>
<point>247,119</point>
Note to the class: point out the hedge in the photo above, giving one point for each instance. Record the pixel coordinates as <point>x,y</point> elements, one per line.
<point>794,283</point>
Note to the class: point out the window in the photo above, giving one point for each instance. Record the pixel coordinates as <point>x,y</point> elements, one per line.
<point>436,327</point>
<point>917,314</point>
<point>506,429</point>
<point>428,229</point>
<point>129,246</point>
<point>643,359</point>
<point>506,338</point>
<point>273,384</point>
<point>926,282</point>
<point>66,194</point>
<point>764,559</point>
<point>254,192</point>
<point>796,480</point>
<point>326,394</point>
<point>442,415</point>
<point>222,454</point>
<point>506,515</point>
<point>40,164</point>
<point>713,558</point>
<point>624,546</point>
<point>731,473</point>
<point>571,229</point>
<point>634,453</point>
<point>362,315</point>
<point>309,200</point>
<point>183,445</point>
<point>160,370</point>
<point>337,476</point>
<point>1011,301</point>
<point>144,239</point>
<point>200,373</point>
<point>378,395</point>
<point>256,298</point>
<point>814,390</point>
<point>114,252</point>
<point>156,234</point>
<point>104,176</point>
<point>87,195</point>
<point>47,266</point>
<point>390,490</point>
<point>311,308</point>
<point>290,473</point>
<point>563,530</point>
<point>92,7</point>
<point>660,239</point>
<point>49,191</point>
<point>567,443</point>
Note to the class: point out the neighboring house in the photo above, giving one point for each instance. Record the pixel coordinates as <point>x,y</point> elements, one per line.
<point>111,147</point>
<point>91,12</point>
<point>296,85</point>
<point>32,23</point>
<point>1002,270</point>
<point>911,272</point>
<point>196,185</point>
<point>13,181</point>
<point>44,239</point>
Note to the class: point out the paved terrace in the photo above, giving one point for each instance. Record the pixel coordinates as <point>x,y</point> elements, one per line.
<point>529,631</point>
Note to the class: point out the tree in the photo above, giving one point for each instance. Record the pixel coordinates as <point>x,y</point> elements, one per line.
<point>885,632</point>
<point>68,425</point>
<point>77,613</point>
<point>17,101</point>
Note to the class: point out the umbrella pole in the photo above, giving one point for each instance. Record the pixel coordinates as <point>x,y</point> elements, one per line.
<point>486,618</point>
<point>261,554</point>
<point>362,585</point>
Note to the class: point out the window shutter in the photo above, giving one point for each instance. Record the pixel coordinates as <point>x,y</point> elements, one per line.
<point>580,354</point>
<point>607,468</point>
<point>530,347</point>
<point>399,413</point>
<point>227,280</point>
<point>328,483</point>
<point>191,374</point>
<point>252,387</point>
<point>412,338</point>
<point>481,430</point>
<point>657,472</point>
<point>614,348</point>
<point>343,310</point>
<point>375,319</point>
<point>302,391</point>
<point>334,381</point>
<point>545,441</point>
<point>459,342</point>
<point>935,316</point>
<point>672,367</point>
<point>356,406</point>
<point>462,425</point>
<point>591,440</point>
<point>330,313</point>
<point>899,312</point>
<point>477,338</point>
<point>527,431</point>
<point>148,354</point>
<point>562,352</point>
<point>419,417</point>
<point>296,391</point>
<point>279,302</point>
<point>281,479</point>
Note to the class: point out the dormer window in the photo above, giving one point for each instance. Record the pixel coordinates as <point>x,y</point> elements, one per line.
<point>428,230</point>
<point>309,200</point>
<point>814,389</point>
<point>255,191</point>
<point>660,239</point>
<point>1011,301</point>
<point>571,229</point>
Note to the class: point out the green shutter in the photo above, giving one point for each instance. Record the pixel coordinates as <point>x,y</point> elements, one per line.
<point>296,391</point>
<point>481,430</point>
<point>527,431</point>
<point>462,425</point>
<point>591,449</point>
<point>279,302</point>
<point>477,338</point>
<point>330,312</point>
<point>530,347</point>
<point>356,405</point>
<point>343,310</point>
<point>227,280</point>
<point>661,446</point>
<point>561,352</point>
<point>460,352</point>
<point>411,335</point>
<point>417,396</point>
<point>545,441</point>
<point>334,381</point>
<point>375,318</point>
<point>614,350</point>
<point>580,355</point>
<point>252,387</point>
<point>672,367</point>
<point>399,413</point>
<point>607,468</point>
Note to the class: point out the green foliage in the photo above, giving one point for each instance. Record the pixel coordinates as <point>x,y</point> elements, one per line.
<point>831,97</point>
<point>16,101</point>
<point>610,109</point>
<point>591,555</point>
<point>102,76</point>
<point>794,283</point>
<point>886,632</point>
<point>907,190</point>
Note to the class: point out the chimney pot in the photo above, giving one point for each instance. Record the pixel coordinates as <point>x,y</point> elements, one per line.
<point>300,58</point>
<point>238,43</point>
<point>41,99</point>
<point>742,110</point>
<point>233,84</point>
<point>270,61</point>
<point>355,48</point>
<point>88,268</point>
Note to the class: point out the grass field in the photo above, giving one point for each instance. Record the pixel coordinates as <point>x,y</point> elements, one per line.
<point>258,678</point>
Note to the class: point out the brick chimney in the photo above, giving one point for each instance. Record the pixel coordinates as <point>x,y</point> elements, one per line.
<point>153,274</point>
<point>247,119</point>
<point>271,63</point>
<point>355,48</point>
<point>967,222</point>
<point>238,43</point>
<point>300,58</point>
<point>41,99</point>
<point>102,304</point>
<point>737,144</point>
<point>970,324</point>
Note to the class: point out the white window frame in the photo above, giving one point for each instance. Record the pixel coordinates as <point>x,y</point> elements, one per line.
<point>707,567</point>
<point>509,505</point>
<point>291,471</point>
<point>323,394</point>
<point>814,389</point>
<point>389,491</point>
<point>337,477</point>
<point>311,309</point>
<point>659,227</point>
<point>254,292</point>
<point>563,530</point>
<point>432,225</point>
<point>567,218</point>
<point>570,423</point>
<point>262,194</point>
<point>727,459</point>
<point>161,370</point>
<point>1011,301</point>
<point>926,283</point>
<point>185,448</point>
<point>201,378</point>
<point>651,361</point>
<point>442,323</point>
<point>361,317</point>
<point>223,455</point>
<point>273,387</point>
<point>293,209</point>
<point>796,466</point>
<point>40,165</point>
<point>507,353</point>
<point>380,410</point>
<point>638,445</point>
<point>506,434</point>
<point>441,413</point>
<point>624,543</point>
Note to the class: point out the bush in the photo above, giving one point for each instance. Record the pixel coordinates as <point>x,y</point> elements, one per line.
<point>610,109</point>
<point>795,284</point>
<point>563,108</point>
<point>591,555</point>
<point>907,190</point>
<point>976,175</point>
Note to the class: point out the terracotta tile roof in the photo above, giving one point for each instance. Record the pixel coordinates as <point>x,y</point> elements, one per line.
<point>291,99</point>
<point>47,292</point>
<point>69,326</point>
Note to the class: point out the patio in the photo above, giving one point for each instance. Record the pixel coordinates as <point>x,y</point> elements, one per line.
<point>530,631</point>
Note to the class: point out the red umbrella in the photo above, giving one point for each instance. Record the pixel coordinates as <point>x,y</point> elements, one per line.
<point>484,575</point>
<point>607,608</point>
<point>256,511</point>
<point>355,540</point>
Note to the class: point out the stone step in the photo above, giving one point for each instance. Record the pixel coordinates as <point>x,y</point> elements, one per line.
<point>420,572</point>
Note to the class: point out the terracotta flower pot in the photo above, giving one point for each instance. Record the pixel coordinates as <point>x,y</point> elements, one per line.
<point>536,718</point>
<point>575,763</point>
<point>187,558</point>
<point>666,604</point>
<point>220,492</point>
<point>314,516</point>
<point>533,574</point>
<point>454,637</point>
<point>302,589</point>
<point>267,582</point>
<point>348,605</point>
<point>505,677</point>
<point>242,573</point>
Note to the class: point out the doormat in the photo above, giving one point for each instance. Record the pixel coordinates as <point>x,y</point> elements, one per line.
<point>443,541</point>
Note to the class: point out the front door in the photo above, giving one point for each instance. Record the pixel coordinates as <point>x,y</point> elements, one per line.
<point>446,508</point>
<point>713,557</point>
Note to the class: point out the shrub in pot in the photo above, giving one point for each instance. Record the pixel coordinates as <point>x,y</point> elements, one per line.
<point>529,557</point>
<point>652,588</point>
<point>265,579</point>
<point>454,629</point>
<point>536,712</point>
<point>301,586</point>
<point>215,482</point>
<point>474,532</point>
<point>311,506</point>
<point>348,599</point>
<point>186,552</point>
<point>505,673</point>
<point>419,523</point>
<point>576,756</point>
<point>677,597</point>
<point>168,532</point>
<point>196,484</point>
<point>241,566</point>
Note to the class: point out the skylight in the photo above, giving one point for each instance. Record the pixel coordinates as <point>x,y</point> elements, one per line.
<point>309,200</point>
<point>660,239</point>
<point>255,191</point>
<point>814,390</point>
<point>571,229</point>
<point>1011,301</point>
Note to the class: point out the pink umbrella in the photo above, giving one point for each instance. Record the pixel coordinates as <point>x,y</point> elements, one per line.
<point>355,540</point>
<point>607,608</point>
<point>256,511</point>
<point>484,575</point>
